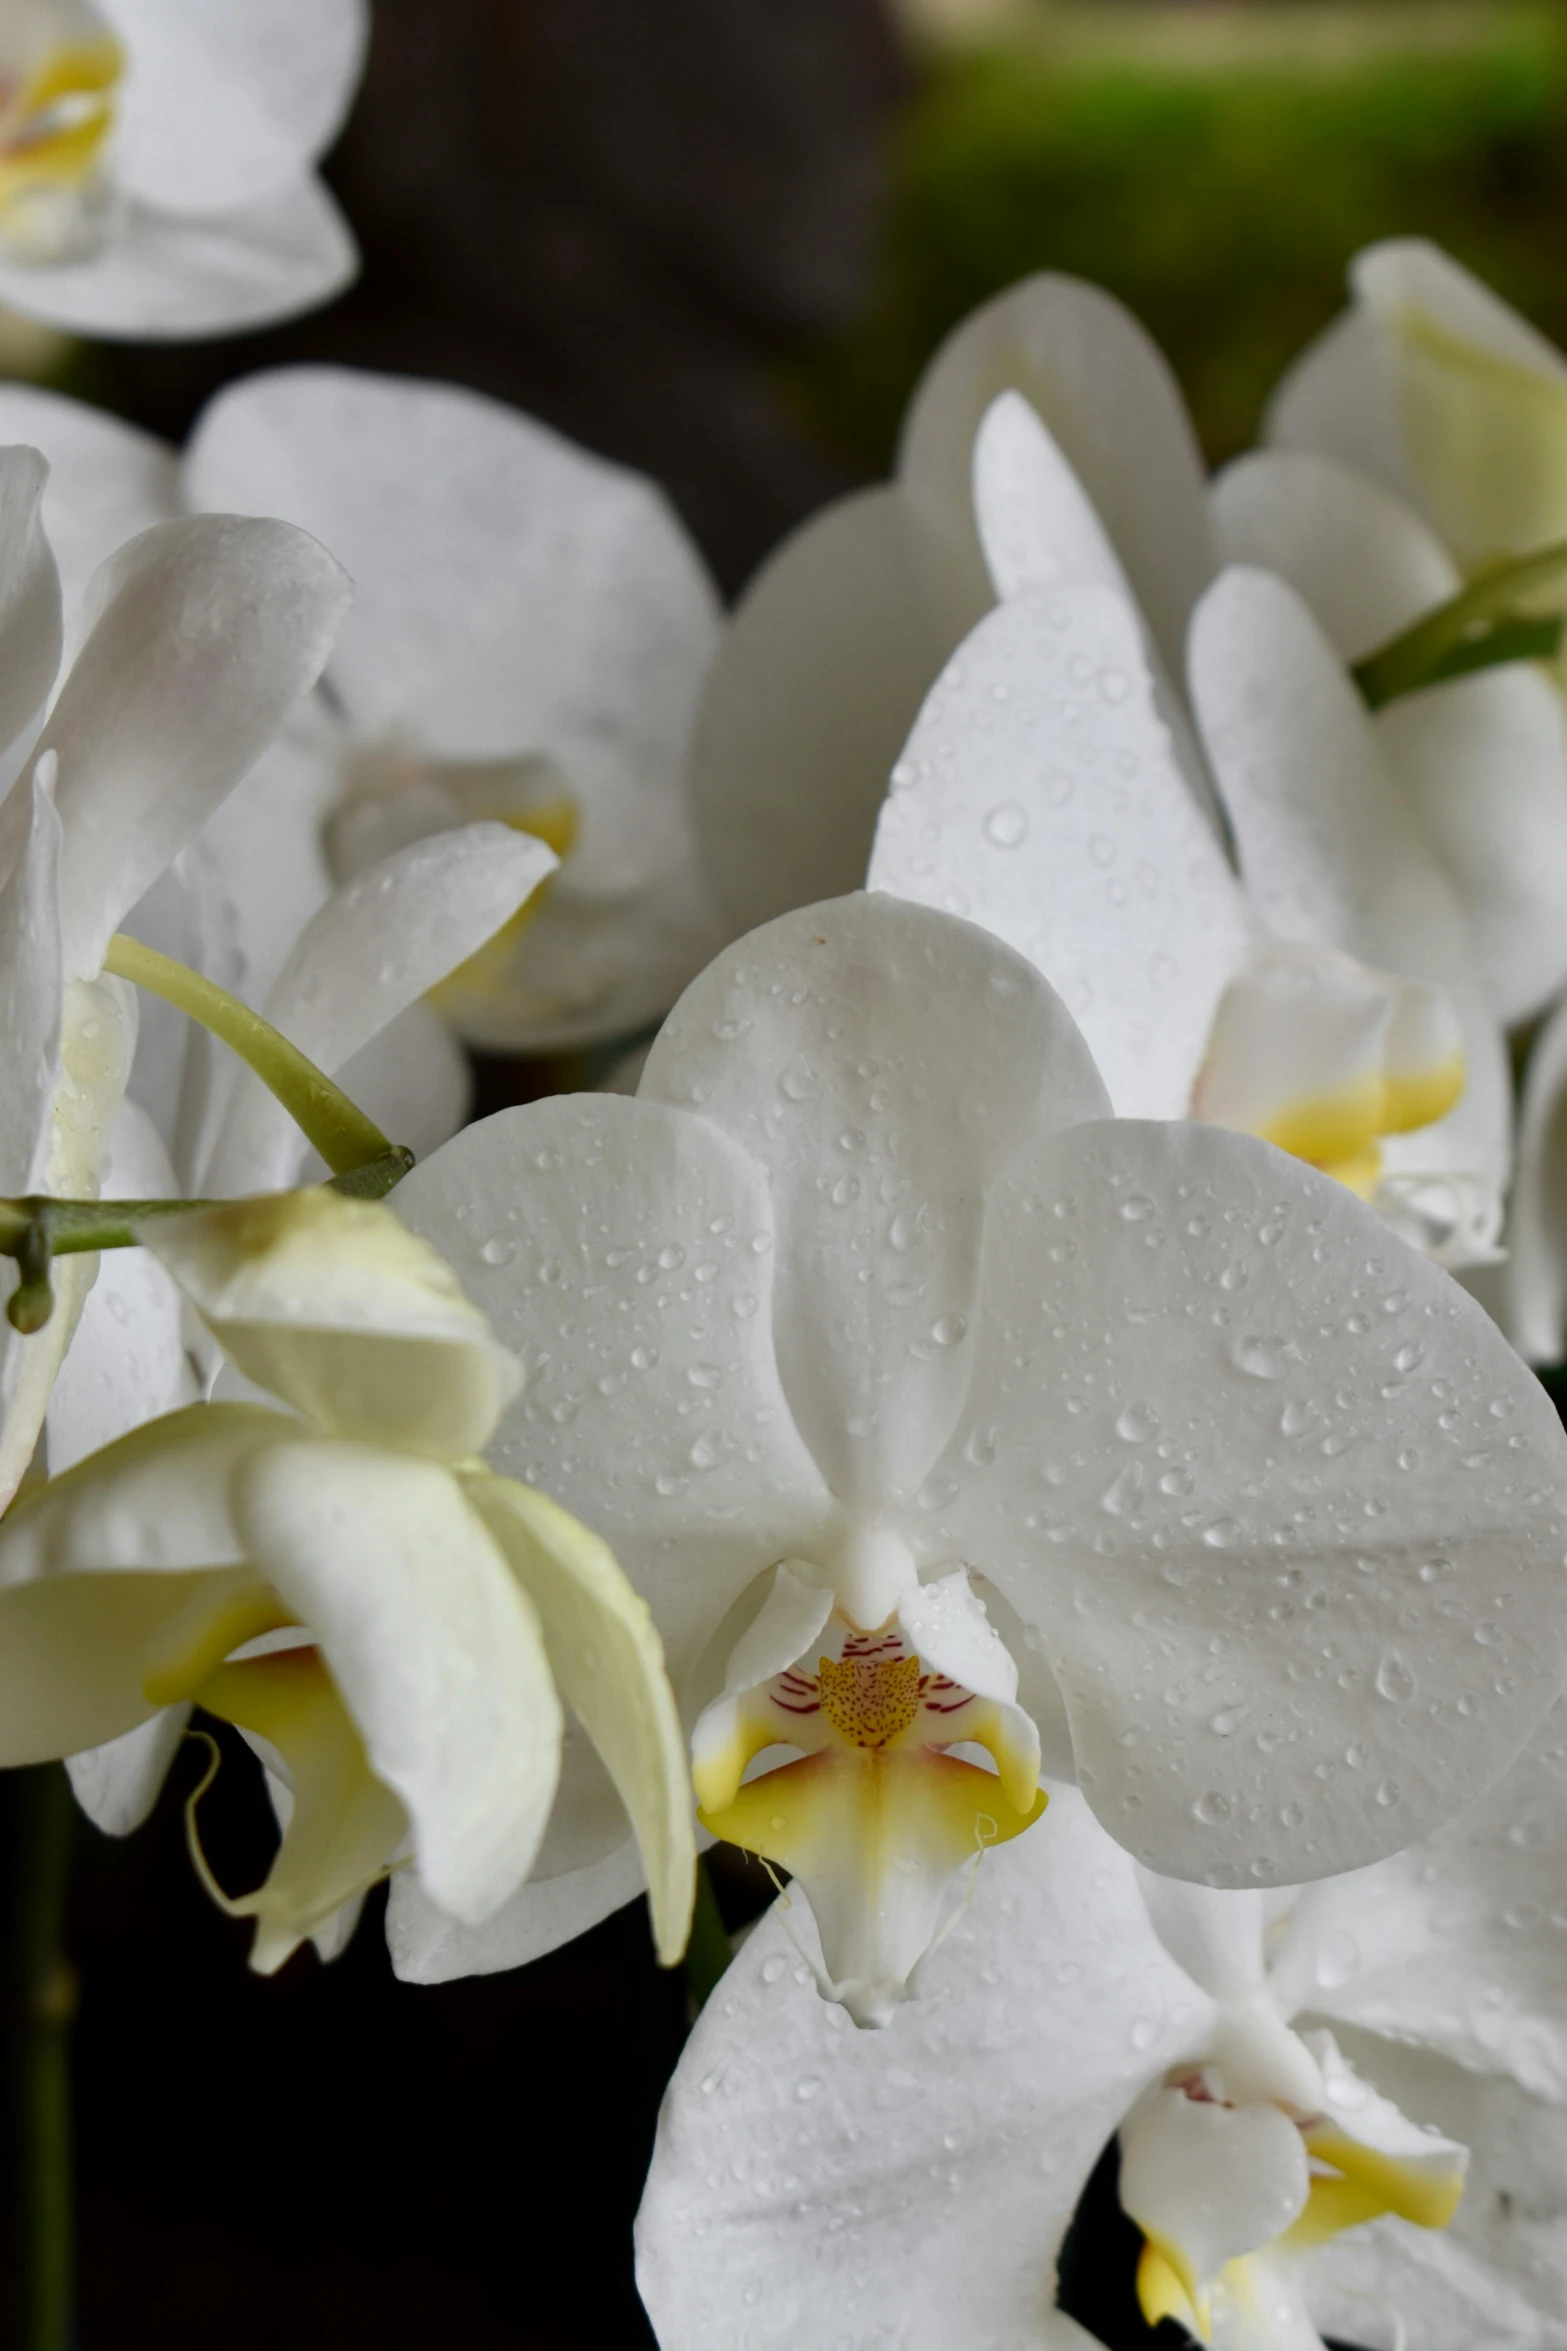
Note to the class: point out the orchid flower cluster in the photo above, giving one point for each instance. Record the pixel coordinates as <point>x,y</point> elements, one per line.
<point>1034,1354</point>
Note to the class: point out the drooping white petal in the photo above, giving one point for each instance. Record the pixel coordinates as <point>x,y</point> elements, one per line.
<point>882,1063</point>
<point>160,278</point>
<point>1330,850</point>
<point>204,632</point>
<point>118,1784</point>
<point>815,685</point>
<point>335,1306</point>
<point>944,2157</point>
<point>157,1499</point>
<point>1362,559</point>
<point>371,952</point>
<point>1039,795</point>
<point>29,597</point>
<point>428,1947</point>
<point>515,594</point>
<point>624,1252</point>
<point>1207,2183</point>
<point>222,107</point>
<point>606,1657</point>
<point>432,1643</point>
<point>1108,397</point>
<point>31,988</point>
<point>71,1659</point>
<point>1211,1389</point>
<point>1454,1943</point>
<point>107,481</point>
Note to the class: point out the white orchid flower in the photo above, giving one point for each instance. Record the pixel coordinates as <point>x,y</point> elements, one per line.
<point>156,161</point>
<point>807,2179</point>
<point>933,1409</point>
<point>198,637</point>
<point>345,1582</point>
<point>530,632</point>
<point>1323,996</point>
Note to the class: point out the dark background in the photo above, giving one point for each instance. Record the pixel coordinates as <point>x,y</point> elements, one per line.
<point>715,239</point>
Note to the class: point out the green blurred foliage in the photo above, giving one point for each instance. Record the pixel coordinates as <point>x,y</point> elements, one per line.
<point>1217,184</point>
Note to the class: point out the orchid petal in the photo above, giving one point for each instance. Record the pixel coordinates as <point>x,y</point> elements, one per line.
<point>776,2087</point>
<point>1144,1344</point>
<point>607,1660</point>
<point>430,1640</point>
<point>816,683</point>
<point>71,1660</point>
<point>1207,2183</point>
<point>204,632</point>
<point>882,1063</point>
<point>413,1079</point>
<point>1534,1278</point>
<point>428,1947</point>
<point>624,1252</point>
<point>1338,398</point>
<point>157,1499</point>
<point>1039,795</point>
<point>221,108</point>
<point>371,952</point>
<point>108,482</point>
<point>1329,849</point>
<point>333,1305</point>
<point>29,596</point>
<point>118,1784</point>
<point>1107,396</point>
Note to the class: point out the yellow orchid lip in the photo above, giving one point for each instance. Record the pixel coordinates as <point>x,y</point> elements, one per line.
<point>56,115</point>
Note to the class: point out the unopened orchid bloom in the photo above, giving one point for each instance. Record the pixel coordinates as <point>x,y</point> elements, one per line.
<point>156,161</point>
<point>1047,446</point>
<point>530,632</point>
<point>1292,2077</point>
<point>344,1581</point>
<point>1315,986</point>
<point>199,636</point>
<point>941,1416</point>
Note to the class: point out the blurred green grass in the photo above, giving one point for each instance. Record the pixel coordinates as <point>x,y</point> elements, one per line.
<point>1214,166</point>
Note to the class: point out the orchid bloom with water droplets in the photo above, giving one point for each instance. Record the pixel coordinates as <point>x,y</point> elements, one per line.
<point>1297,2081</point>
<point>530,632</point>
<point>156,161</point>
<point>198,636</point>
<point>947,1422</point>
<point>835,644</point>
<point>344,1581</point>
<point>1322,996</point>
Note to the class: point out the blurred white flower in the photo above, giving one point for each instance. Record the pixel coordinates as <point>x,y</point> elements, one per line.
<point>529,636</point>
<point>383,1618</point>
<point>1079,1997</point>
<point>930,1406</point>
<point>156,161</point>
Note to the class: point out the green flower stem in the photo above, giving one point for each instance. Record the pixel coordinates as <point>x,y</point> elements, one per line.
<point>40,2006</point>
<point>709,1951</point>
<point>338,1128</point>
<point>1485,624</point>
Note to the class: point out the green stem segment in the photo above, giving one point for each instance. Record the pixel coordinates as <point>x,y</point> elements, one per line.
<point>40,2007</point>
<point>1484,625</point>
<point>338,1128</point>
<point>709,1951</point>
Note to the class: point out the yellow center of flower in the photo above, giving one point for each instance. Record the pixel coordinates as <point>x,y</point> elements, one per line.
<point>59,68</point>
<point>870,1700</point>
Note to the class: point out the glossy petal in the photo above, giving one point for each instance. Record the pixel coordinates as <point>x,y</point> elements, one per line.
<point>623,1251</point>
<point>161,278</point>
<point>333,1305</point>
<point>607,1660</point>
<point>204,632</point>
<point>1039,795</point>
<point>1109,399</point>
<point>434,1647</point>
<point>1455,1942</point>
<point>776,2089</point>
<point>221,108</point>
<point>107,482</point>
<point>816,683</point>
<point>515,594</point>
<point>882,1063</point>
<point>1163,1312</point>
<point>372,951</point>
<point>1329,849</point>
<point>29,596</point>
